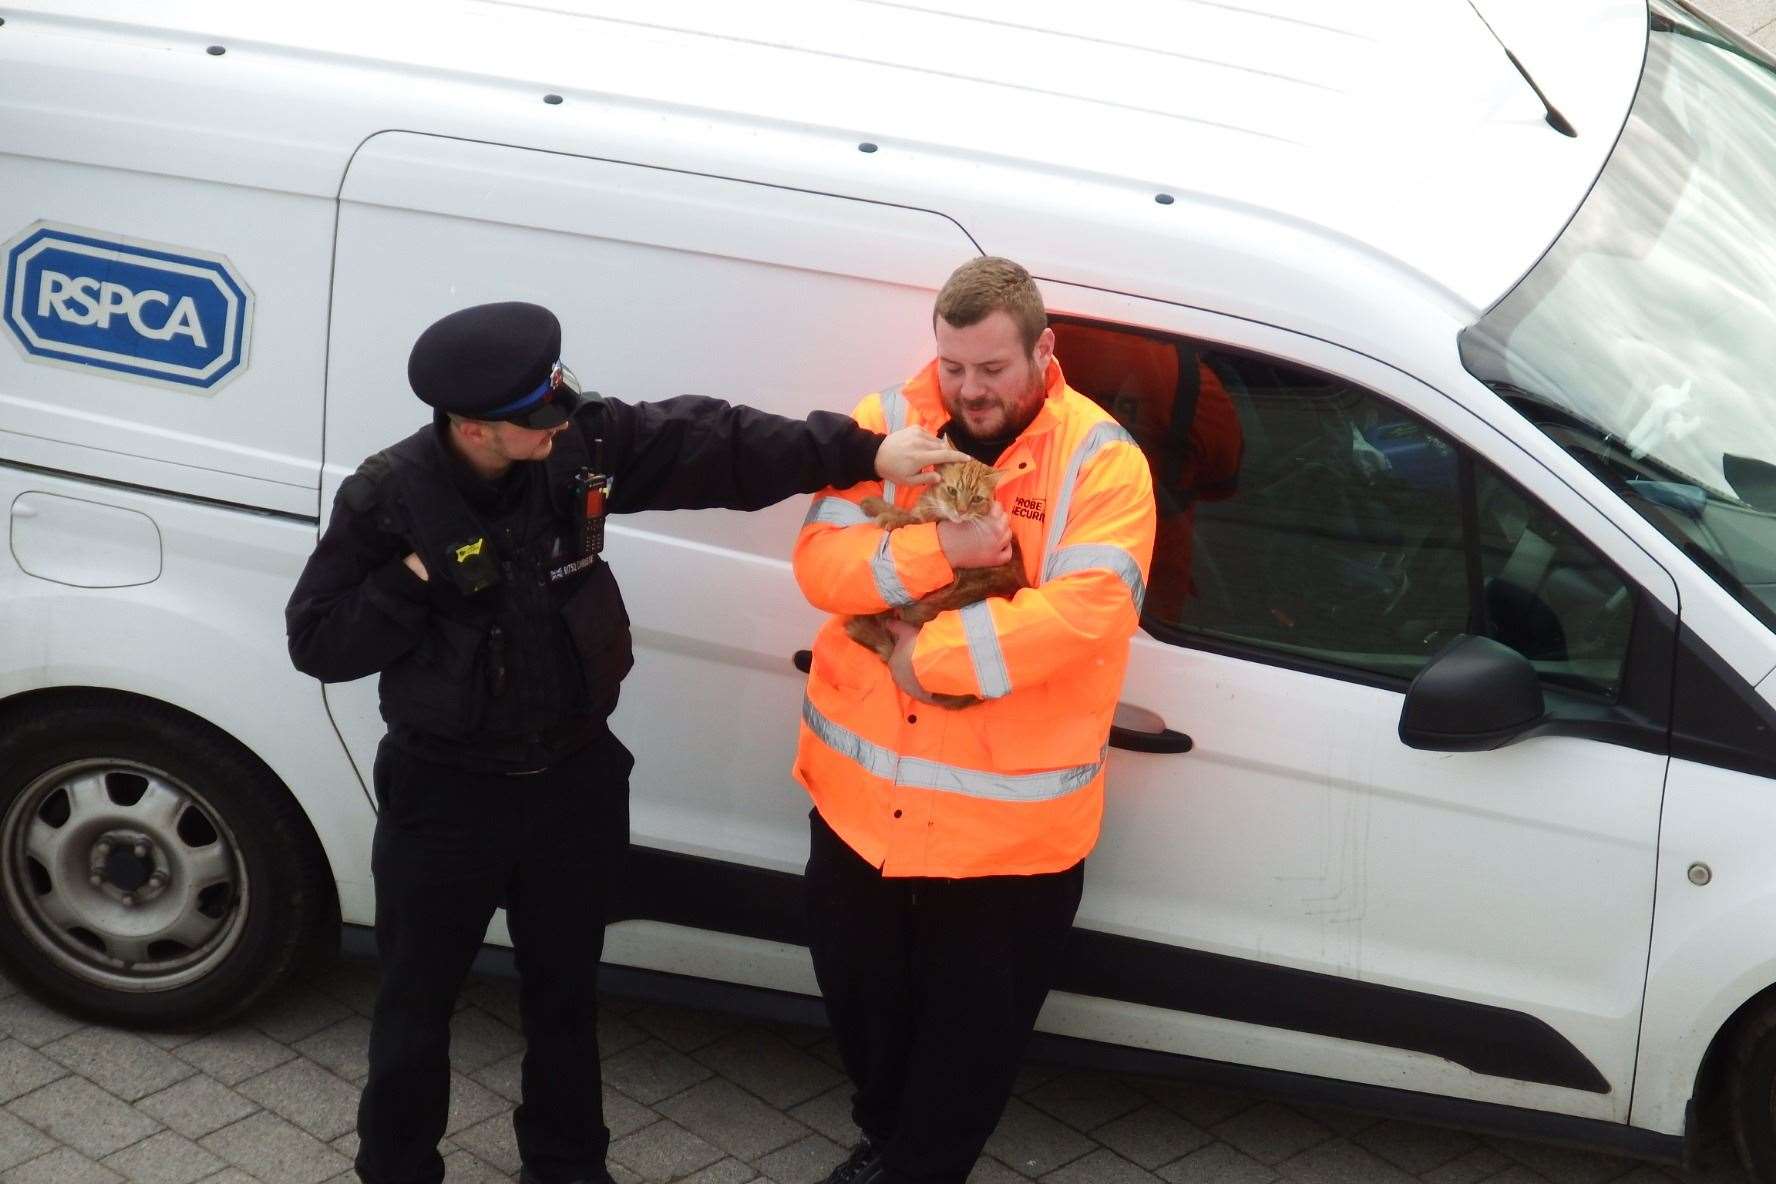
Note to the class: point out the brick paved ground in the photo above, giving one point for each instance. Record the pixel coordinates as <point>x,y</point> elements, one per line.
<point>690,1096</point>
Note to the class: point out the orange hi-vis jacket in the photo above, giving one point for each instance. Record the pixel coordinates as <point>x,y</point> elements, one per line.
<point>1013,785</point>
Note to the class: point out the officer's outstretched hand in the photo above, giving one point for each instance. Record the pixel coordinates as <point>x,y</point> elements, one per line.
<point>977,542</point>
<point>909,450</point>
<point>900,662</point>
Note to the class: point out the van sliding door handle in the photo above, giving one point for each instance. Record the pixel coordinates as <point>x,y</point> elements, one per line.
<point>1164,740</point>
<point>1140,730</point>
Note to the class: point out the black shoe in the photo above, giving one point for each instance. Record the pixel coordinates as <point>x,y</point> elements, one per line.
<point>863,1166</point>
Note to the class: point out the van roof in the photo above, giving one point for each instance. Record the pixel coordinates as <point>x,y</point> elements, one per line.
<point>1394,130</point>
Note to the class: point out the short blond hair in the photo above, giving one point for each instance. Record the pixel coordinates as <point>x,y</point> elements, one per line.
<point>984,286</point>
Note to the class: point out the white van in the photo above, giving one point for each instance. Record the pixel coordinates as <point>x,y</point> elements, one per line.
<point>1411,363</point>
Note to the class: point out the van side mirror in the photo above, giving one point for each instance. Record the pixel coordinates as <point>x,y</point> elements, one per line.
<point>1474,695</point>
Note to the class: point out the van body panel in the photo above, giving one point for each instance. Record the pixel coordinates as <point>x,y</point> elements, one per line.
<point>253,440</point>
<point>226,664</point>
<point>1711,948</point>
<point>626,255</point>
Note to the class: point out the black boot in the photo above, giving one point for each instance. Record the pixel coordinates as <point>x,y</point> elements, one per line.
<point>863,1166</point>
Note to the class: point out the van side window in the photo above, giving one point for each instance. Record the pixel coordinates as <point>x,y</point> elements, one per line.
<point>1306,518</point>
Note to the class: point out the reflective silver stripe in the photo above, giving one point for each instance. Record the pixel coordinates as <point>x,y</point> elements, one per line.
<point>1106,556</point>
<point>917,773</point>
<point>984,652</point>
<point>1100,435</point>
<point>893,419</point>
<point>888,584</point>
<point>835,511</point>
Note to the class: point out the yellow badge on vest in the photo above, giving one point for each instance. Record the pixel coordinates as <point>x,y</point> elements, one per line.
<point>468,551</point>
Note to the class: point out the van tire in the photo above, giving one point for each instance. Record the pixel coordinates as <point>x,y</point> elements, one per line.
<point>153,872</point>
<point>1751,1093</point>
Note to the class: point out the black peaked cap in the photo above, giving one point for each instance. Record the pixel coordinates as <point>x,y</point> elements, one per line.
<point>484,357</point>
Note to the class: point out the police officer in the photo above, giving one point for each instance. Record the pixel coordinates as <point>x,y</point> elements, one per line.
<point>464,566</point>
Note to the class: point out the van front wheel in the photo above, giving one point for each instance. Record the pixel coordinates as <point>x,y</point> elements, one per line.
<point>151,871</point>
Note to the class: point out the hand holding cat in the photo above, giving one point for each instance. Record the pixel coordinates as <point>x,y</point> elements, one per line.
<point>977,542</point>
<point>904,453</point>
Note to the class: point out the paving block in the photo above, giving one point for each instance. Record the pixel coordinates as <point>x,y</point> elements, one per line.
<point>652,1071</point>
<point>722,1171</point>
<point>1151,1136</point>
<point>1517,1174</point>
<point>615,1033</point>
<point>623,1116</point>
<point>196,1106</point>
<point>663,1151</point>
<point>229,1176</point>
<point>477,1040</point>
<point>347,1144</point>
<point>1102,1166</point>
<point>492,1141</point>
<point>769,1066</point>
<point>470,1103</point>
<point>1340,1162</point>
<point>1414,1147</point>
<point>988,1170</point>
<point>61,1166</point>
<point>305,1094</point>
<point>1470,1167</point>
<point>1201,1104</point>
<point>276,1152</point>
<point>720,1112</point>
<point>1218,1163</point>
<point>295,1013</point>
<point>1271,1133</point>
<point>1033,1143</point>
<point>1085,1101</point>
<point>77,1112</point>
<point>352,983</point>
<point>166,1158</point>
<point>30,1022</point>
<point>20,1141</point>
<point>830,1114</point>
<point>1564,1165</point>
<point>682,1028</point>
<point>120,1063</point>
<point>233,1054</point>
<point>23,1069</point>
<point>504,1077</point>
<point>343,1048</point>
<point>805,1161</point>
<point>498,997</point>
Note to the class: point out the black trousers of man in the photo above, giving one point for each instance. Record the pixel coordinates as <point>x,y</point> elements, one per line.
<point>450,846</point>
<point>932,987</point>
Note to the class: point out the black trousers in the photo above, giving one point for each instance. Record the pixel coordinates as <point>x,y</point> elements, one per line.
<point>932,987</point>
<point>451,846</point>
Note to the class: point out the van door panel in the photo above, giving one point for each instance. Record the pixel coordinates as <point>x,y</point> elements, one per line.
<point>666,283</point>
<point>1306,893</point>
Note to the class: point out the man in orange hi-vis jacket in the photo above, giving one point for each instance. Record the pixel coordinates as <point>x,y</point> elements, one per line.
<point>948,846</point>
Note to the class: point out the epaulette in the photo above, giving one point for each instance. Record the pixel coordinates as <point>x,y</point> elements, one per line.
<point>363,489</point>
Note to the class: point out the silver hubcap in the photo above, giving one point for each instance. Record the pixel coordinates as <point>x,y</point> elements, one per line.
<point>123,875</point>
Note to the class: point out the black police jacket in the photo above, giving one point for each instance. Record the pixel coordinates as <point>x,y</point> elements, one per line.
<point>508,656</point>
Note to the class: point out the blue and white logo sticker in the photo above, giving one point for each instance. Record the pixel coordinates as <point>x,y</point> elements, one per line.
<point>165,314</point>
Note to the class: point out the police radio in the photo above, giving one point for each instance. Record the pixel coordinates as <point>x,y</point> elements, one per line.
<point>589,490</point>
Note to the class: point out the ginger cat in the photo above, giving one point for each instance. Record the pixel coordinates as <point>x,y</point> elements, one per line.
<point>964,490</point>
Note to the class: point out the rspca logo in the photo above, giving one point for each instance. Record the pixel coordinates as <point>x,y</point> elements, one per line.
<point>165,314</point>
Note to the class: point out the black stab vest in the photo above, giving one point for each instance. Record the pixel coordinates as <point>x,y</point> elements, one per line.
<point>529,638</point>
